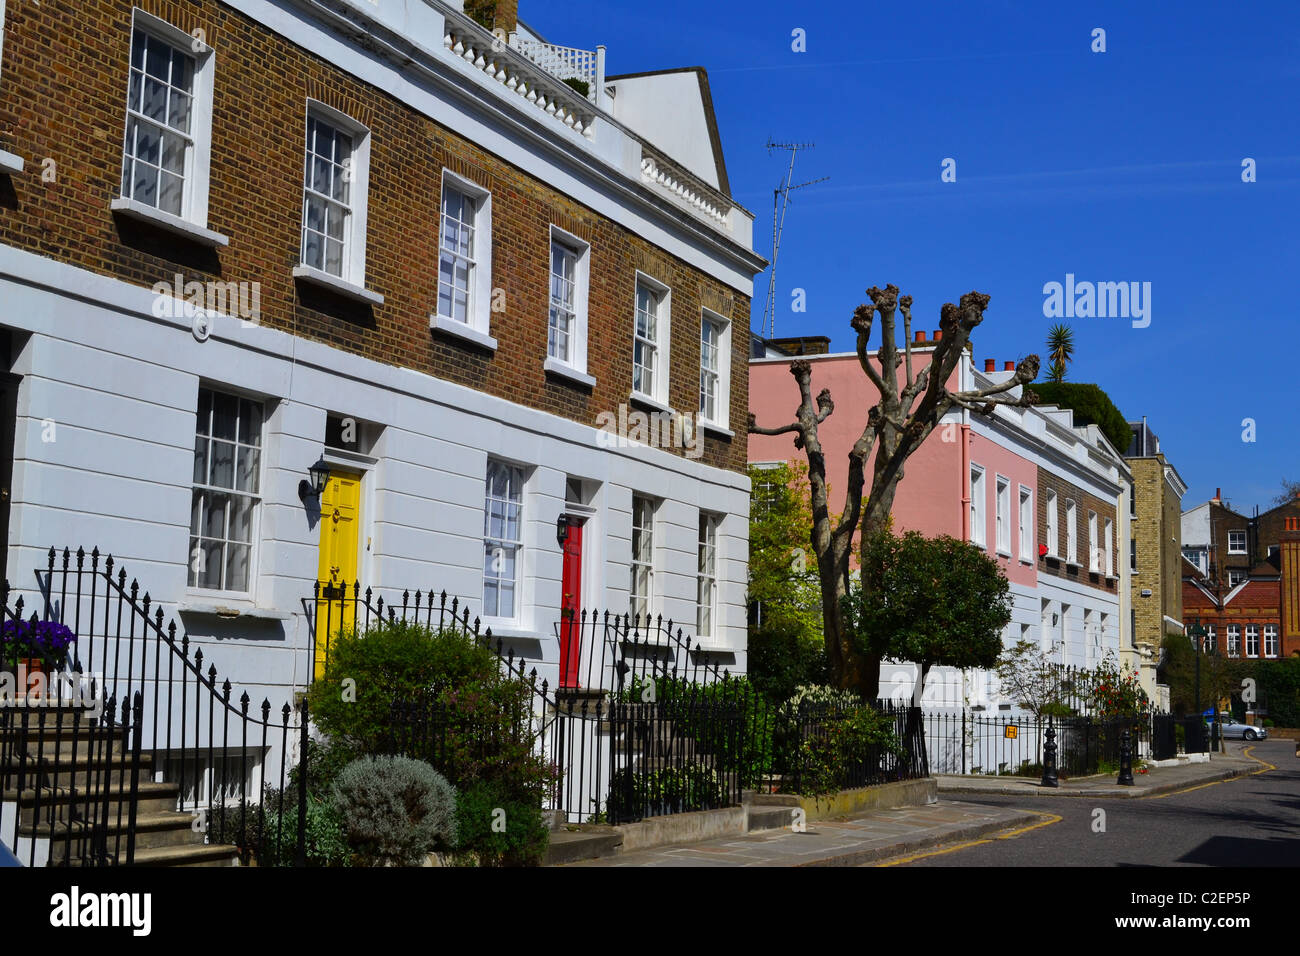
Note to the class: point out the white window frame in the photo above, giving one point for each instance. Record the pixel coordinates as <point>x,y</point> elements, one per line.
<point>1270,640</point>
<point>257,497</point>
<point>721,419</point>
<point>1071,532</point>
<point>1233,636</point>
<point>1002,513</point>
<point>1094,545</point>
<point>478,325</point>
<point>1252,640</point>
<point>515,474</point>
<point>706,579</point>
<point>978,507</point>
<point>353,266</point>
<point>1211,640</point>
<point>576,360</point>
<point>1053,529</point>
<point>9,162</point>
<point>643,533</point>
<point>662,340</point>
<point>1243,577</point>
<point>192,221</point>
<point>1026,502</point>
<point>1109,529</point>
<point>1242,549</point>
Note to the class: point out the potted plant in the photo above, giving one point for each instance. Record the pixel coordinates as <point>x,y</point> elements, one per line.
<point>31,647</point>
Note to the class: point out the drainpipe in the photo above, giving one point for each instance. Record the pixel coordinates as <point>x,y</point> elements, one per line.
<point>963,384</point>
<point>601,99</point>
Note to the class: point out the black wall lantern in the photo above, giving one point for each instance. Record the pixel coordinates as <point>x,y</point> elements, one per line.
<point>320,476</point>
<point>562,528</point>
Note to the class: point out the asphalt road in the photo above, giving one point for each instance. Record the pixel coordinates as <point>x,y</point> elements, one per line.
<point>1247,821</point>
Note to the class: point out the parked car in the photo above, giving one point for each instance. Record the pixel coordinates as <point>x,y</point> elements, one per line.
<point>1232,729</point>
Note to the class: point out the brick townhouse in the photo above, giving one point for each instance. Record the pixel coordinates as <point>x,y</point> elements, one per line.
<point>239,238</point>
<point>1040,494</point>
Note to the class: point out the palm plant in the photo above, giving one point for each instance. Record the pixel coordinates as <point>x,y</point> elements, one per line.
<point>1060,350</point>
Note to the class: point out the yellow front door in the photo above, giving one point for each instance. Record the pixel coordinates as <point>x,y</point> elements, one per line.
<point>340,510</point>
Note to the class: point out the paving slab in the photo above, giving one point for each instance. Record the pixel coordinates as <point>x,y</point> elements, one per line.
<point>844,842</point>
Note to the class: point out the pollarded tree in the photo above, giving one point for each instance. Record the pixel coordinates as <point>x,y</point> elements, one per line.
<point>908,408</point>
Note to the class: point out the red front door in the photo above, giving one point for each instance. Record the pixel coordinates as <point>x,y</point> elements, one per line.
<point>570,607</point>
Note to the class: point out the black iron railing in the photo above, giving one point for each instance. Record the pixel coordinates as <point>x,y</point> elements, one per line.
<point>217,755</point>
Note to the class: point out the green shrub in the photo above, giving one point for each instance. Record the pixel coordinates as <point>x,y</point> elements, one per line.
<point>634,792</point>
<point>780,661</point>
<point>486,716</point>
<point>499,830</point>
<point>1091,406</point>
<point>326,843</point>
<point>395,810</point>
<point>831,757</point>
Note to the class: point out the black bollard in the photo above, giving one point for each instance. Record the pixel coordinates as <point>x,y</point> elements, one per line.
<point>1125,759</point>
<point>1049,757</point>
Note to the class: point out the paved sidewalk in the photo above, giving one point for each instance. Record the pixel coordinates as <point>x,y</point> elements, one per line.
<point>873,836</point>
<point>1157,780</point>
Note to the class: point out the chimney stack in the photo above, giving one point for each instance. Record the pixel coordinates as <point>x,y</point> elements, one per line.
<point>1289,548</point>
<point>990,365</point>
<point>1009,367</point>
<point>1218,494</point>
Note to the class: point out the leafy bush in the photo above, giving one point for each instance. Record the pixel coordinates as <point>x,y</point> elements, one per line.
<point>840,748</point>
<point>515,836</point>
<point>326,842</point>
<point>636,792</point>
<point>1091,406</point>
<point>395,810</point>
<point>780,661</point>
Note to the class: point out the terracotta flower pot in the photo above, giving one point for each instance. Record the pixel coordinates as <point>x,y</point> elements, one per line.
<point>27,667</point>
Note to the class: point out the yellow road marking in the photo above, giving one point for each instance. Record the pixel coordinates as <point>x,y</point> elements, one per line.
<point>1267,766</point>
<point>1201,786</point>
<point>1050,818</point>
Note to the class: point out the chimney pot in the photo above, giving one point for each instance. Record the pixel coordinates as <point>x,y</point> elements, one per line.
<point>938,334</point>
<point>920,337</point>
<point>989,365</point>
<point>1218,494</point>
<point>1009,367</point>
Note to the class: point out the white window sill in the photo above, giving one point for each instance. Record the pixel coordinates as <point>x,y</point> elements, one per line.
<point>1004,554</point>
<point>716,428</point>
<point>10,163</point>
<point>440,323</point>
<point>640,398</point>
<point>235,609</point>
<point>556,367</point>
<point>1072,564</point>
<point>1028,562</point>
<point>349,290</point>
<point>509,630</point>
<point>167,222</point>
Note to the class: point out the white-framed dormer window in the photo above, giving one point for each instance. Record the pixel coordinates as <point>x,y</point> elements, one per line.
<point>650,338</point>
<point>641,596</point>
<point>715,369</point>
<point>464,300</point>
<point>1234,640</point>
<point>335,202</point>
<point>1236,542</point>
<point>977,506</point>
<point>1053,532</point>
<point>1071,534</point>
<point>566,323</point>
<point>1026,530</point>
<point>1003,506</point>
<point>226,497</point>
<point>167,146</point>
<point>706,580</point>
<point>1270,640</point>
<point>1107,538</point>
<point>1252,640</point>
<point>1094,543</point>
<point>503,503</point>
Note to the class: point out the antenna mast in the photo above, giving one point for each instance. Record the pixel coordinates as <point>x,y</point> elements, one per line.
<point>780,204</point>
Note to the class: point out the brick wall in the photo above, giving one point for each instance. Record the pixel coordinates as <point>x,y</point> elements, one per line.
<point>64,80</point>
<point>1158,532</point>
<point>1084,502</point>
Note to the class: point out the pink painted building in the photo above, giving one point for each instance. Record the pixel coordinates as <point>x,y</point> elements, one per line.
<point>1041,495</point>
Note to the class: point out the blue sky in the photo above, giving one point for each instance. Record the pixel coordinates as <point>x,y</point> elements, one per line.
<point>1117,166</point>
